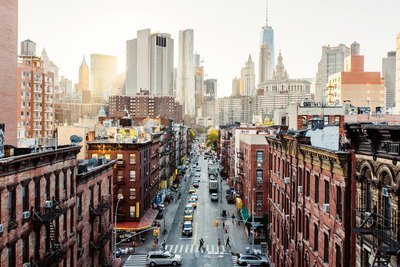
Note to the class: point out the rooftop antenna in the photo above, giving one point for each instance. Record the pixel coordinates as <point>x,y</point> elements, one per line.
<point>266,14</point>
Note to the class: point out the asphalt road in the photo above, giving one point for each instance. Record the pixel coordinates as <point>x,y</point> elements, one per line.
<point>203,227</point>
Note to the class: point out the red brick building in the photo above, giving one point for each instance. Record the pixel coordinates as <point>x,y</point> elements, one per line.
<point>38,196</point>
<point>135,178</point>
<point>94,212</point>
<point>309,192</point>
<point>253,181</point>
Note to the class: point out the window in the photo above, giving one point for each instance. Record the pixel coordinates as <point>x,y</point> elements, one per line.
<point>132,176</point>
<point>109,185</point>
<point>79,207</point>
<point>119,194</point>
<point>72,184</point>
<point>132,158</point>
<point>132,211</point>
<point>107,156</point>
<point>25,198</point>
<point>79,243</point>
<point>120,159</point>
<point>259,156</point>
<point>48,197</point>
<point>307,229</point>
<point>259,201</point>
<point>132,193</point>
<point>12,208</point>
<point>71,220</point>
<point>339,203</point>
<point>65,185</point>
<point>120,176</point>
<point>326,192</point>
<point>11,256</point>
<point>95,156</point>
<point>315,237</point>
<point>37,194</point>
<point>308,183</point>
<point>25,249</point>
<point>326,247</point>
<point>338,256</point>
<point>259,176</point>
<point>316,196</point>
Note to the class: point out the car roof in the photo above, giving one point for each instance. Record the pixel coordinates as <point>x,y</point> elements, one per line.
<point>187,222</point>
<point>159,252</point>
<point>189,206</point>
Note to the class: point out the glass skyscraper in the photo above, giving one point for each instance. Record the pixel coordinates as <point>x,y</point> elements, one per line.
<point>267,38</point>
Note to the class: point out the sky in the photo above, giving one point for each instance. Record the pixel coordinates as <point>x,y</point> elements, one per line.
<point>225,31</point>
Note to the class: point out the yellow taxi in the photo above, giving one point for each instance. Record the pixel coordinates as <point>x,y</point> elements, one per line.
<point>188,213</point>
<point>192,190</point>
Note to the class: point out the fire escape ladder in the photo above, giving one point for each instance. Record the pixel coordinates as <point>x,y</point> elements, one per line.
<point>55,244</point>
<point>105,235</point>
<point>380,258</point>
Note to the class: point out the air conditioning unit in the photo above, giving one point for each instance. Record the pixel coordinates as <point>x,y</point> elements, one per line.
<point>278,174</point>
<point>300,189</point>
<point>287,217</point>
<point>385,192</point>
<point>367,214</point>
<point>26,215</point>
<point>259,164</point>
<point>286,180</point>
<point>1,228</point>
<point>48,204</point>
<point>325,207</point>
<point>26,264</point>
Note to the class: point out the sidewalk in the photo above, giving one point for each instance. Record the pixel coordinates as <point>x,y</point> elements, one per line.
<point>237,233</point>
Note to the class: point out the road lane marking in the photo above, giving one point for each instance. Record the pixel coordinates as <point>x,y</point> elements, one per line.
<point>168,247</point>
<point>207,248</point>
<point>195,233</point>
<point>186,248</point>
<point>176,249</point>
<point>180,251</point>
<point>191,248</point>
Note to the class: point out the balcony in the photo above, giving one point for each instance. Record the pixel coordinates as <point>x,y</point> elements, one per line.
<point>379,233</point>
<point>52,210</point>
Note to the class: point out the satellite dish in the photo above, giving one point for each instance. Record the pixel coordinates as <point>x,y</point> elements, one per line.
<point>75,139</point>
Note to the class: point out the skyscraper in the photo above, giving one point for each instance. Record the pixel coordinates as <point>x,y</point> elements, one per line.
<point>198,84</point>
<point>8,69</point>
<point>236,84</point>
<point>103,71</point>
<point>210,88</point>
<point>50,66</point>
<point>248,78</point>
<point>389,78</point>
<point>185,75</point>
<point>150,63</point>
<point>267,62</point>
<point>398,74</point>
<point>332,61</point>
<point>83,84</point>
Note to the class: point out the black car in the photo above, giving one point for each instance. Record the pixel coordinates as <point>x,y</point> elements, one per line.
<point>230,199</point>
<point>187,228</point>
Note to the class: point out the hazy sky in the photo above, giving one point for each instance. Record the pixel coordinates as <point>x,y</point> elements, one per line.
<point>225,32</point>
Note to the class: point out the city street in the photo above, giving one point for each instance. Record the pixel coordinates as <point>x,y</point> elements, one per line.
<point>203,227</point>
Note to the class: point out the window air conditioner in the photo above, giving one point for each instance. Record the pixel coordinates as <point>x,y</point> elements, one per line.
<point>300,189</point>
<point>26,215</point>
<point>259,165</point>
<point>325,207</point>
<point>48,204</point>
<point>286,180</point>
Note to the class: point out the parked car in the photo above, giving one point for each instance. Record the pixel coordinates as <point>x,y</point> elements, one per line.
<point>230,199</point>
<point>257,260</point>
<point>214,197</point>
<point>187,229</point>
<point>195,196</point>
<point>192,190</point>
<point>155,258</point>
<point>193,202</point>
<point>196,185</point>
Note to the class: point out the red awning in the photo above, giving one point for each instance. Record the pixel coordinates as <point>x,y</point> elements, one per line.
<point>146,221</point>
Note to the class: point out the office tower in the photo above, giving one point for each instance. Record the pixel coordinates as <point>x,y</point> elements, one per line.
<point>185,74</point>
<point>236,84</point>
<point>83,84</point>
<point>398,74</point>
<point>248,78</point>
<point>103,71</point>
<point>198,84</point>
<point>8,69</point>
<point>50,66</point>
<point>210,88</point>
<point>359,87</point>
<point>35,87</point>
<point>150,63</point>
<point>65,86</point>
<point>389,78</point>
<point>233,109</point>
<point>267,54</point>
<point>332,61</point>
<point>263,64</point>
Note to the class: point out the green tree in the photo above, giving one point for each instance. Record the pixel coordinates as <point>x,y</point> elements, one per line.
<point>212,138</point>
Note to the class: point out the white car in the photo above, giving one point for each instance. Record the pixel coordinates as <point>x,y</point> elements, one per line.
<point>155,258</point>
<point>214,196</point>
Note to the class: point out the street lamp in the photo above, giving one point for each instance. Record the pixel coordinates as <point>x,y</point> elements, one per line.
<point>119,197</point>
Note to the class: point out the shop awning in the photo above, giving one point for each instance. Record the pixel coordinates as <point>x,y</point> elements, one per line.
<point>239,203</point>
<point>146,222</point>
<point>245,214</point>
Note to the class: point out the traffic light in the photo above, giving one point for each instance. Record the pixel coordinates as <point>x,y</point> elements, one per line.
<point>155,232</point>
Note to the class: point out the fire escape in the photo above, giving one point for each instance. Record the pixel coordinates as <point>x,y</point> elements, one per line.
<point>104,235</point>
<point>378,233</point>
<point>46,216</point>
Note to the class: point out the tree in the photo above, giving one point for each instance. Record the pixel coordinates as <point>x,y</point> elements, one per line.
<point>212,138</point>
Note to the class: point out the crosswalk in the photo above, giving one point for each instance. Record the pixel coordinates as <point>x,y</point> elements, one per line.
<point>234,261</point>
<point>137,260</point>
<point>191,248</point>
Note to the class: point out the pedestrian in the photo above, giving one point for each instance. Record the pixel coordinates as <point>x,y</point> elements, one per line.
<point>228,243</point>
<point>154,243</point>
<point>233,218</point>
<point>223,225</point>
<point>163,245</point>
<point>219,244</point>
<point>226,229</point>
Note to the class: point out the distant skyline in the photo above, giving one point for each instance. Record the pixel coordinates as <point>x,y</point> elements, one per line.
<point>225,32</point>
